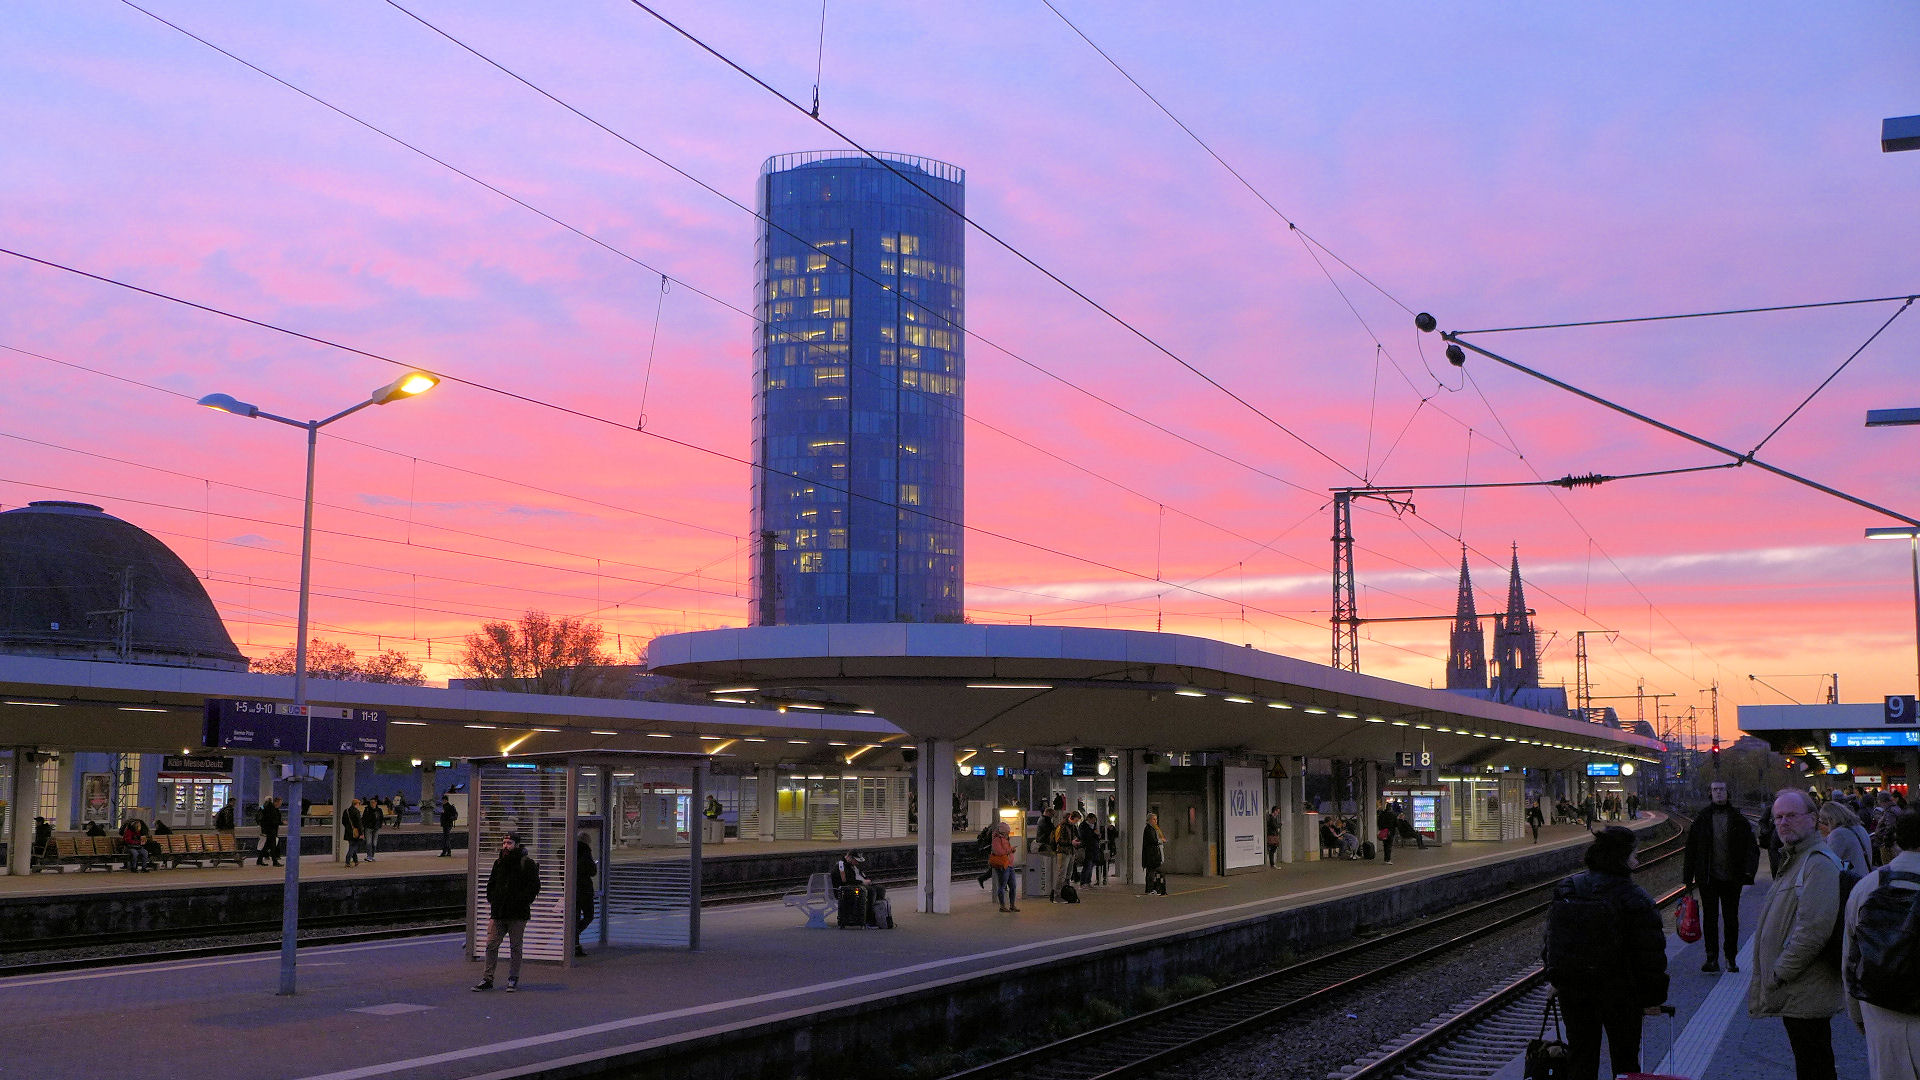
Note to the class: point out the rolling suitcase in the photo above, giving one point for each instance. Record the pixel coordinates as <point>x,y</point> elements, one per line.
<point>883,914</point>
<point>1647,1058</point>
<point>853,906</point>
<point>1366,849</point>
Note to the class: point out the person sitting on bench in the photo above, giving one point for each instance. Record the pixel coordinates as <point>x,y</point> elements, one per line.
<point>851,869</point>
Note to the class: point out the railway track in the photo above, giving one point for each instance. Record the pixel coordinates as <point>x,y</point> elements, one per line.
<point>38,956</point>
<point>1153,1040</point>
<point>1476,1041</point>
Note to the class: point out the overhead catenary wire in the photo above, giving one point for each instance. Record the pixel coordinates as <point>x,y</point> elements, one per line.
<point>666,277</point>
<point>582,414</point>
<point>1003,244</point>
<point>1691,315</point>
<point>1899,311</point>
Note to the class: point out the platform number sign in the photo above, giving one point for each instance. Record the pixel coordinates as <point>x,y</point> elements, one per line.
<point>1900,708</point>
<point>1409,759</point>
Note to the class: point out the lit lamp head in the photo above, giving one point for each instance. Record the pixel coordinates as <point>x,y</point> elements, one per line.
<point>1893,532</point>
<point>412,384</point>
<point>229,404</point>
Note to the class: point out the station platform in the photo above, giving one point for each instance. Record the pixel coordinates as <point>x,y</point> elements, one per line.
<point>403,1008</point>
<point>395,864</point>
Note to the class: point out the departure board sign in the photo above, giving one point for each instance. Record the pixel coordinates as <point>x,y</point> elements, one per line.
<point>1895,737</point>
<point>278,727</point>
<point>1603,768</point>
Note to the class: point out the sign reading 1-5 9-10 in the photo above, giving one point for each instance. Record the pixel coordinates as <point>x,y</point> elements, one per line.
<point>294,729</point>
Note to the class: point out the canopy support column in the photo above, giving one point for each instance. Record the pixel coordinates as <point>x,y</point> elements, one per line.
<point>936,769</point>
<point>24,800</point>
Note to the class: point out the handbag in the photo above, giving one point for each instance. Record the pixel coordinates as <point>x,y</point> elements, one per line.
<point>1686,919</point>
<point>1549,1059</point>
<point>1384,833</point>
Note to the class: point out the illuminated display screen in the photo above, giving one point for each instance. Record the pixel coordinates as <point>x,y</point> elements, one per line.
<point>1897,737</point>
<point>1603,768</point>
<point>1425,809</point>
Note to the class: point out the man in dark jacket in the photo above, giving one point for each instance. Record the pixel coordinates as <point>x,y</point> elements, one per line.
<point>512,884</point>
<point>372,820</point>
<point>1606,956</point>
<point>1722,857</point>
<point>448,815</point>
<point>585,896</point>
<point>353,826</point>
<point>269,819</point>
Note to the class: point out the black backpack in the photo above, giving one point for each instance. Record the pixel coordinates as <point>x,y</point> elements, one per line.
<point>1883,965</point>
<point>1583,941</point>
<point>1830,952</point>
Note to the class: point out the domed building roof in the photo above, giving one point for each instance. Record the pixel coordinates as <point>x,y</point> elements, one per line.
<point>79,583</point>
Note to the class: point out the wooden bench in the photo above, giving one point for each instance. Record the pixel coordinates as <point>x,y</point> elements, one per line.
<point>815,899</point>
<point>199,848</point>
<point>86,852</point>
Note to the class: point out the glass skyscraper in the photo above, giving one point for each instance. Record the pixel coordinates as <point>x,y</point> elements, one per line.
<point>859,374</point>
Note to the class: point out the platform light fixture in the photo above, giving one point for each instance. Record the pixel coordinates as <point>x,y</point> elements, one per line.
<point>603,733</point>
<point>1316,710</point>
<point>1189,692</point>
<point>1279,704</point>
<point>409,384</point>
<point>1376,720</point>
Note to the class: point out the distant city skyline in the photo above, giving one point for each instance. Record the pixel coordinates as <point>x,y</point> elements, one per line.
<point>1496,167</point>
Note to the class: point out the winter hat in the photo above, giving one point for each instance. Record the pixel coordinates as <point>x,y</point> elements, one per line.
<point>1612,846</point>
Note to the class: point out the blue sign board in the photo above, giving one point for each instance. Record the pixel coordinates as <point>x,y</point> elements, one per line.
<point>275,726</point>
<point>1898,737</point>
<point>1603,768</point>
<point>1900,709</point>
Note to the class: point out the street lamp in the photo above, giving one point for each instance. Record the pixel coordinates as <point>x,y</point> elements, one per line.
<point>412,384</point>
<point>1912,536</point>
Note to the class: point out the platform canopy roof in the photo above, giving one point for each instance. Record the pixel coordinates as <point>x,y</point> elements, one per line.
<point>102,705</point>
<point>1026,687</point>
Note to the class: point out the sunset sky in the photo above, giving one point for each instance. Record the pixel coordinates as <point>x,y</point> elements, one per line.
<point>1498,165</point>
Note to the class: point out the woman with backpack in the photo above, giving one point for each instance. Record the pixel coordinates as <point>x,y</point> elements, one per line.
<point>1606,956</point>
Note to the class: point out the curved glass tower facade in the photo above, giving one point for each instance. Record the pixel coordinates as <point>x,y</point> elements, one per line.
<point>859,375</point>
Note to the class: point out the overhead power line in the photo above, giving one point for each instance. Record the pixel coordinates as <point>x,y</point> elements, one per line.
<point>999,241</point>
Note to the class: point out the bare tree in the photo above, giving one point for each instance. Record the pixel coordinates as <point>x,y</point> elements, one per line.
<point>541,654</point>
<point>332,660</point>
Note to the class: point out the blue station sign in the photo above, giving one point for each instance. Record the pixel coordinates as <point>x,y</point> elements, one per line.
<point>1603,768</point>
<point>1891,737</point>
<point>278,727</point>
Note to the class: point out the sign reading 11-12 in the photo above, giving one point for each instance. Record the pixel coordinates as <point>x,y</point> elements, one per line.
<point>294,729</point>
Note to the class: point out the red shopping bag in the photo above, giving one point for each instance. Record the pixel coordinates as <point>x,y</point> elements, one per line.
<point>1686,919</point>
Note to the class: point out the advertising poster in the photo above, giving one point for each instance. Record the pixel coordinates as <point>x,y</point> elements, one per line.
<point>1243,794</point>
<point>96,797</point>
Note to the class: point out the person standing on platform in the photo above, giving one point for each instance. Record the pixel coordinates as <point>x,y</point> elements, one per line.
<point>1090,848</point>
<point>1535,819</point>
<point>1791,980</point>
<point>1006,887</point>
<point>269,819</point>
<point>512,884</point>
<point>372,819</point>
<point>1722,858</point>
<point>1606,956</point>
<point>1153,843</point>
<point>1066,848</point>
<point>353,825</point>
<point>584,894</point>
<point>1633,806</point>
<point>1273,836</point>
<point>1893,1035</point>
<point>448,815</point>
<point>1845,837</point>
<point>1385,829</point>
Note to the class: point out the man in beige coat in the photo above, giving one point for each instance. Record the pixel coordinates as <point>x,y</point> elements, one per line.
<point>1790,978</point>
<point>1893,1037</point>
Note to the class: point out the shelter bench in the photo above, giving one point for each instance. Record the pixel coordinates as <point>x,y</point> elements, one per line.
<point>815,899</point>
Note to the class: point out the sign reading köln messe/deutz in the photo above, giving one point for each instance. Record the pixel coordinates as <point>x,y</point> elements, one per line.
<point>294,729</point>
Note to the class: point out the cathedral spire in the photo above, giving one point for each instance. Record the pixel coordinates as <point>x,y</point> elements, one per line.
<point>1467,647</point>
<point>1514,643</point>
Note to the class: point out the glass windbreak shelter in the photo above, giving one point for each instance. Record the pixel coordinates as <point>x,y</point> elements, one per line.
<point>634,814</point>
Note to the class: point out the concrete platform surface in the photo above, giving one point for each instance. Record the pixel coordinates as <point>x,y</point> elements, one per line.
<point>403,1008</point>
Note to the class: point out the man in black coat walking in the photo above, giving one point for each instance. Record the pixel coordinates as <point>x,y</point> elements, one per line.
<point>448,815</point>
<point>269,818</point>
<point>512,884</point>
<point>1722,857</point>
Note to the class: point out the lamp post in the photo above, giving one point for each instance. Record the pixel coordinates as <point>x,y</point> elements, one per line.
<point>1912,536</point>
<point>411,384</point>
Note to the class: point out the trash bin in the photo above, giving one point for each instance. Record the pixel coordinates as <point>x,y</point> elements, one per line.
<point>1033,878</point>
